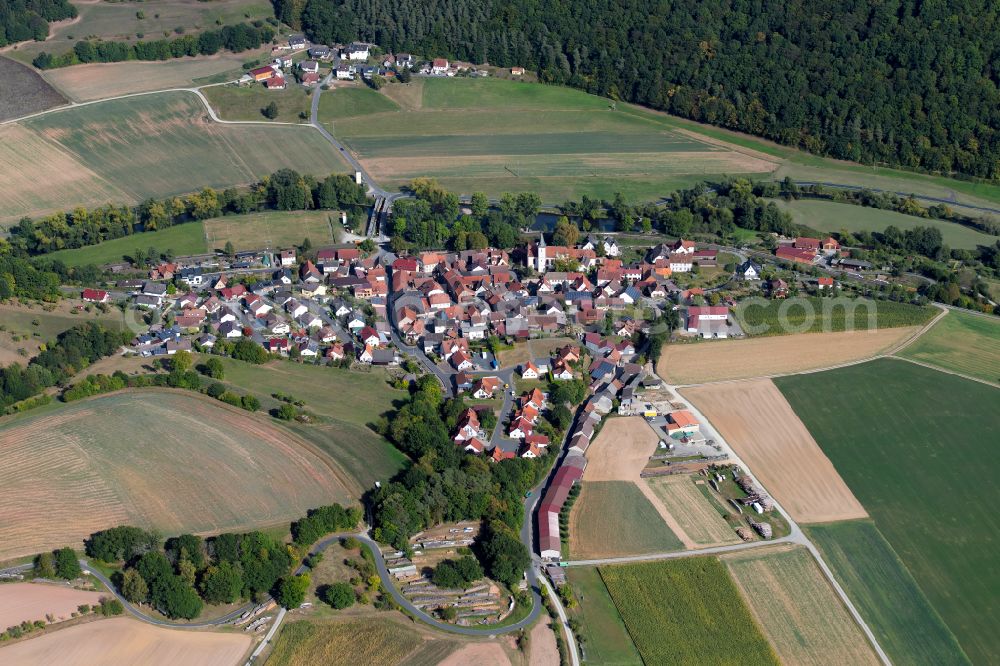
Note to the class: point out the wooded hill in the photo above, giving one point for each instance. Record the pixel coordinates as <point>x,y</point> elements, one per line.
<point>903,82</point>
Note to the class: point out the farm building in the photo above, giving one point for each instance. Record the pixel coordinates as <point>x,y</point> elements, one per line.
<point>95,296</point>
<point>549,540</point>
<point>681,422</point>
<point>797,254</point>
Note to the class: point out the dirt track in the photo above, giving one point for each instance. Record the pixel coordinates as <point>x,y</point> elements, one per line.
<point>125,641</point>
<point>762,357</point>
<point>760,425</point>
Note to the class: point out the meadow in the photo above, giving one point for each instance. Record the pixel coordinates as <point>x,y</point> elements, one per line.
<point>158,145</point>
<point>36,325</point>
<point>605,638</point>
<point>814,315</point>
<point>800,613</point>
<point>686,611</point>
<point>918,452</point>
<point>272,229</point>
<point>638,528</point>
<point>181,239</point>
<point>167,460</point>
<point>495,135</point>
<point>233,102</point>
<point>962,342</point>
<point>890,601</point>
<point>829,216</point>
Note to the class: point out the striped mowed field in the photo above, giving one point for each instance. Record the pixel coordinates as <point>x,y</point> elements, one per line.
<point>698,517</point>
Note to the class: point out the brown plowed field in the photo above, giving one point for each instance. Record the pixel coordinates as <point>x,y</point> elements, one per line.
<point>620,451</point>
<point>759,424</point>
<point>33,601</point>
<point>720,360</point>
<point>126,641</point>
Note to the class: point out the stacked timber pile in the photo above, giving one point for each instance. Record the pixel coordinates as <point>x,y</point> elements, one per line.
<point>754,493</point>
<point>763,529</point>
<point>744,534</point>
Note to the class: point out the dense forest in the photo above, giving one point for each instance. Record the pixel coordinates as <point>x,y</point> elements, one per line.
<point>21,20</point>
<point>902,82</point>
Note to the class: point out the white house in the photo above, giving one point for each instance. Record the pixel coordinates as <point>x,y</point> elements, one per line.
<point>309,66</point>
<point>345,72</point>
<point>439,66</point>
<point>748,270</point>
<point>357,52</point>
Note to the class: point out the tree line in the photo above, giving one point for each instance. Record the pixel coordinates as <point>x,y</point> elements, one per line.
<point>912,84</point>
<point>285,189</point>
<point>21,20</point>
<point>236,38</point>
<point>72,351</point>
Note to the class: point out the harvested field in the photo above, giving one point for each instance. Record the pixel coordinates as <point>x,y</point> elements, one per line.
<point>24,92</point>
<point>158,145</point>
<point>621,450</point>
<point>84,83</point>
<point>638,527</point>
<point>686,611</point>
<point>126,641</point>
<point>34,601</point>
<point>961,342</point>
<point>304,643</point>
<point>919,449</point>
<point>721,360</point>
<point>544,651</point>
<point>161,459</point>
<point>760,425</point>
<point>799,612</point>
<point>272,229</point>
<point>890,601</point>
<point>492,654</point>
<point>699,520</point>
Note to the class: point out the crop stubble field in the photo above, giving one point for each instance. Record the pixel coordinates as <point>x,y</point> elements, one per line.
<point>962,342</point>
<point>495,135</point>
<point>698,518</point>
<point>686,611</point>
<point>890,601</point>
<point>123,640</point>
<point>305,642</point>
<point>757,421</point>
<point>34,601</point>
<point>918,448</point>
<point>158,145</point>
<point>159,459</point>
<point>799,612</point>
<point>720,360</point>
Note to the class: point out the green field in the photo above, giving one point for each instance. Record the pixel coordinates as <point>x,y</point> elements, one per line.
<point>603,634</point>
<point>498,135</point>
<point>118,21</point>
<point>272,229</point>
<point>345,414</point>
<point>181,239</point>
<point>360,641</point>
<point>816,315</point>
<point>245,103</point>
<point>916,447</point>
<point>884,592</point>
<point>963,342</point>
<point>686,611</point>
<point>158,145</point>
<point>830,217</point>
<point>171,460</point>
<point>638,527</point>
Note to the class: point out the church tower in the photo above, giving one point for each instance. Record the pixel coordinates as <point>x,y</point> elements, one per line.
<point>541,253</point>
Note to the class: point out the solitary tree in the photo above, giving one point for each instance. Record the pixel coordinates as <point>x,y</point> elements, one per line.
<point>339,595</point>
<point>45,566</point>
<point>270,111</point>
<point>292,590</point>
<point>229,249</point>
<point>67,565</point>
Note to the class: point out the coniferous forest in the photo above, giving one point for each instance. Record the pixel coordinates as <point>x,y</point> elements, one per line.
<point>905,82</point>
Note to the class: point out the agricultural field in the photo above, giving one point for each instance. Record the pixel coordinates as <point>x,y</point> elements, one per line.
<point>916,453</point>
<point>158,145</point>
<point>830,217</point>
<point>160,459</point>
<point>797,608</point>
<point>34,325</point>
<point>24,91</point>
<point>815,315</point>
<point>724,360</point>
<point>638,526</point>
<point>962,342</point>
<point>100,80</point>
<point>247,103</point>
<point>119,22</point>
<point>343,431</point>
<point>606,640</point>
<point>36,601</point>
<point>890,601</point>
<point>495,135</point>
<point>123,640</point>
<point>758,422</point>
<point>686,611</point>
<point>698,518</point>
<point>273,229</point>
<point>181,239</point>
<point>360,641</point>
